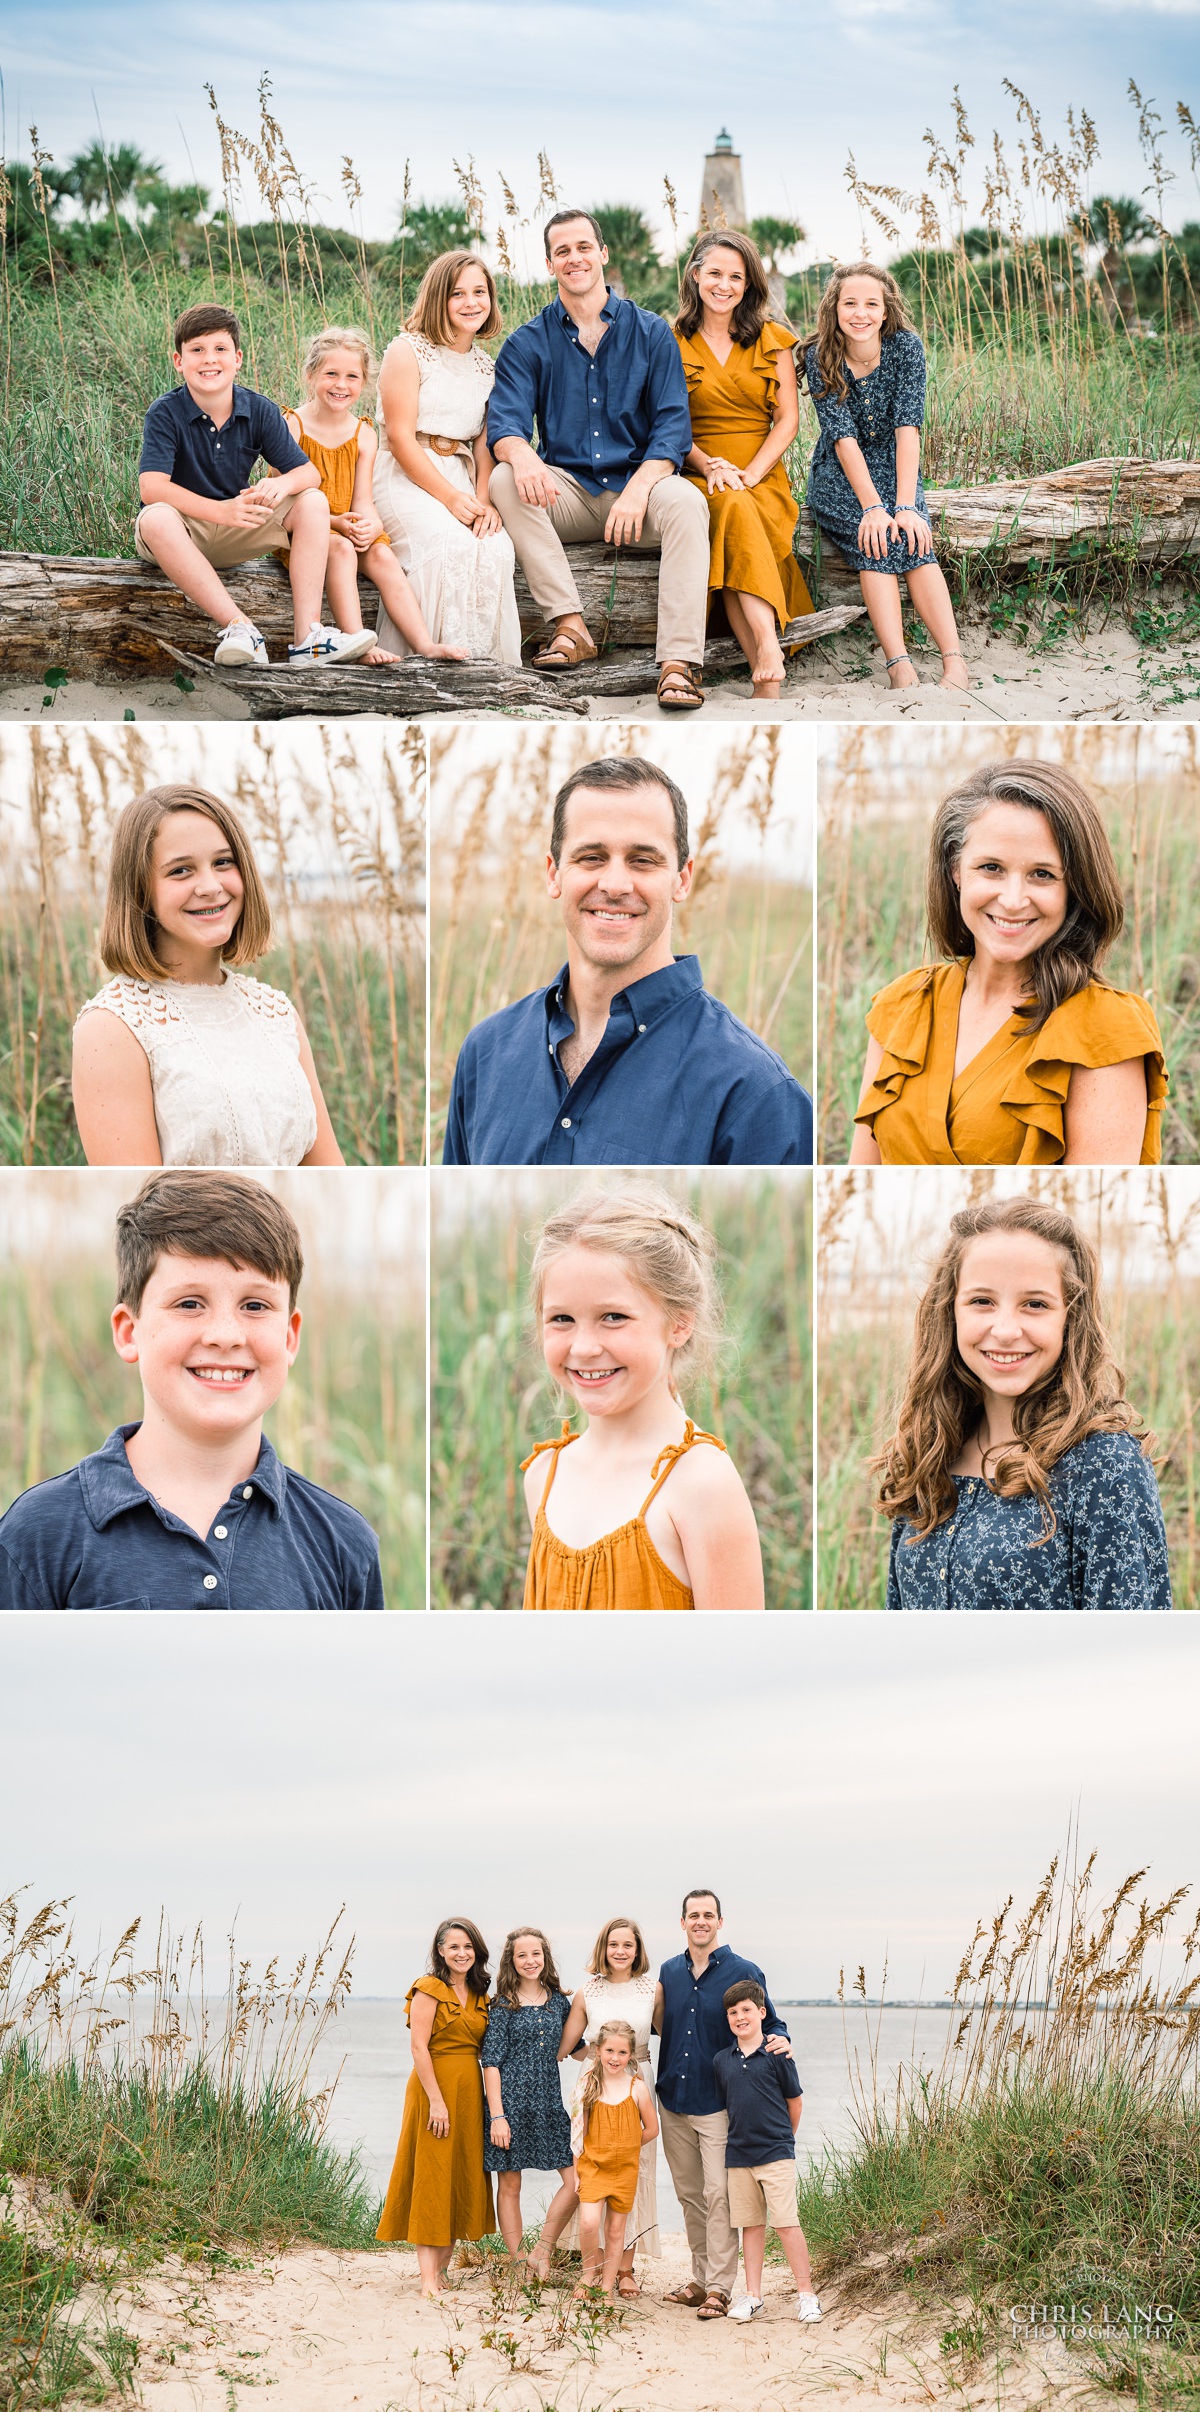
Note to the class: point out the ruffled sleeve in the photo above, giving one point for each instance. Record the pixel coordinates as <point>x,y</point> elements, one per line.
<point>435,1987</point>
<point>901,1018</point>
<point>1100,1026</point>
<point>763,356</point>
<point>693,366</point>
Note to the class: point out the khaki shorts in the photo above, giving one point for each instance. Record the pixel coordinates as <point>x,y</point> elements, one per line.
<point>763,2196</point>
<point>224,548</point>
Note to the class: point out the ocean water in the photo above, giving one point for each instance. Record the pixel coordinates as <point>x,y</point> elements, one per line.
<point>370,2042</point>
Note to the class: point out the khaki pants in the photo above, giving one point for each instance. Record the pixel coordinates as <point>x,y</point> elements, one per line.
<point>675,525</point>
<point>695,2150</point>
<point>223,548</point>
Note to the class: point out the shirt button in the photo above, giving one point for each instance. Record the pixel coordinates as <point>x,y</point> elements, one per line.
<point>642,1028</point>
<point>221,1532</point>
<point>566,1122</point>
<point>248,1493</point>
<point>210,1582</point>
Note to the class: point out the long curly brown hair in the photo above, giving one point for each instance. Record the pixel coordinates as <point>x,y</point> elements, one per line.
<point>1071,959</point>
<point>507,1979</point>
<point>940,1407</point>
<point>828,336</point>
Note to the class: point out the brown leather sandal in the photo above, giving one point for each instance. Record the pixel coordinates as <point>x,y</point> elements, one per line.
<point>680,687</point>
<point>691,2296</point>
<point>715,2305</point>
<point>567,650</point>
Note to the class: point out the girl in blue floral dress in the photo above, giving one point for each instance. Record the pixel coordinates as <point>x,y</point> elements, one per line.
<point>866,375</point>
<point>528,2123</point>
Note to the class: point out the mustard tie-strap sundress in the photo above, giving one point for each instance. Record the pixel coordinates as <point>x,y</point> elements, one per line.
<point>439,2190</point>
<point>336,466</point>
<point>620,1570</point>
<point>612,2151</point>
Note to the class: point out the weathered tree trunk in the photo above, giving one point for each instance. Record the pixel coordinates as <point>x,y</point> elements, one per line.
<point>408,691</point>
<point>637,673</point>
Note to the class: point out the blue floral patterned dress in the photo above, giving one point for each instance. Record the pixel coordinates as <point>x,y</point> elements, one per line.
<point>892,396</point>
<point>1109,1549</point>
<point>523,2044</point>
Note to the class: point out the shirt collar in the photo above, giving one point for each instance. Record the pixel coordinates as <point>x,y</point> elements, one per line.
<point>723,1952</point>
<point>110,1487</point>
<point>648,1000</point>
<point>609,311</point>
<point>196,410</point>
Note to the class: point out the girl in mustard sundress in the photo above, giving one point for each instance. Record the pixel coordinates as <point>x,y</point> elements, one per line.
<point>439,2190</point>
<point>640,1510</point>
<point>338,369</point>
<point>613,2116</point>
<point>1012,1048</point>
<point>745,411</point>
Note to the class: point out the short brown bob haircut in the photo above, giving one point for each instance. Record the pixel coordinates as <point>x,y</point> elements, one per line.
<point>569,217</point>
<point>205,318</point>
<point>598,1964</point>
<point>620,773</point>
<point>127,933</point>
<point>205,1214</point>
<point>1071,959</point>
<point>430,313</point>
<point>750,315</point>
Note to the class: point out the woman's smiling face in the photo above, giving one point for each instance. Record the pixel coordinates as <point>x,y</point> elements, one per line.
<point>1012,888</point>
<point>605,1340</point>
<point>458,1951</point>
<point>721,279</point>
<point>1010,1311</point>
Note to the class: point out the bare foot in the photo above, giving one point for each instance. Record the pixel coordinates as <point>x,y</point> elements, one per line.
<point>956,673</point>
<point>377,659</point>
<point>769,670</point>
<point>446,653</point>
<point>901,673</point>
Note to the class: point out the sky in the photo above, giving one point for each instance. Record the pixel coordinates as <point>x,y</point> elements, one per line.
<point>854,1787</point>
<point>618,97</point>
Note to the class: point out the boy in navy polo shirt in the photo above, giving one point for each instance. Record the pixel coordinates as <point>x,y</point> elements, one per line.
<point>200,513</point>
<point>191,1508</point>
<point>761,2093</point>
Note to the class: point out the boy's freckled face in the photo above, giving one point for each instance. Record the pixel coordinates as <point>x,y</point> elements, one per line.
<point>208,364</point>
<point>213,1343</point>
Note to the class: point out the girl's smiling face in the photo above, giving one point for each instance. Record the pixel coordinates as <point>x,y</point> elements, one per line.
<point>1010,1311</point>
<point>721,279</point>
<point>620,1951</point>
<point>606,1341</point>
<point>196,889</point>
<point>861,309</point>
<point>1012,888</point>
<point>469,304</point>
<point>529,1959</point>
<point>614,2055</point>
<point>338,380</point>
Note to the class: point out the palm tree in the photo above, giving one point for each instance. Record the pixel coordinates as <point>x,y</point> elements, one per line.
<point>634,267</point>
<point>776,238</point>
<point>100,179</point>
<point>427,228</point>
<point>1117,223</point>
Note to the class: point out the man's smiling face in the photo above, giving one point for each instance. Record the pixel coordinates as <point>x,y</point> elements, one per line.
<point>619,876</point>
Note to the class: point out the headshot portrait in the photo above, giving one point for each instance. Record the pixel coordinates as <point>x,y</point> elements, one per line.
<point>214,945</point>
<point>621,1391</point>
<point>622,947</point>
<point>1007,947</point>
<point>213,1394</point>
<point>1007,1362</point>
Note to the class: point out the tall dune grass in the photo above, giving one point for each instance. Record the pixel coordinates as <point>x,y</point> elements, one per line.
<point>492,1399</point>
<point>337,824</point>
<point>496,935</point>
<point>878,791</point>
<point>878,1233</point>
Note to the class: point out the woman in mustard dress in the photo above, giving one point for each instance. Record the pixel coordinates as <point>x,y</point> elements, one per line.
<point>1012,1049</point>
<point>745,411</point>
<point>439,2191</point>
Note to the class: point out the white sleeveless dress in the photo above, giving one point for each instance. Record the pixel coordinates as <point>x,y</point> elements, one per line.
<point>632,2000</point>
<point>463,582</point>
<point>228,1083</point>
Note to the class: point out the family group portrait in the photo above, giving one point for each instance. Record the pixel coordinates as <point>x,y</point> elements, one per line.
<point>922,433</point>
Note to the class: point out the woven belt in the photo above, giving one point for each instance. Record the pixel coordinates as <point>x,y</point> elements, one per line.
<point>446,445</point>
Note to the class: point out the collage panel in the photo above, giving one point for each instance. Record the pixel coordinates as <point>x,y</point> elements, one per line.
<point>639,1349</point>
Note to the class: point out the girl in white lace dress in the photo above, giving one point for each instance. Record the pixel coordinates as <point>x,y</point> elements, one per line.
<point>433,465</point>
<point>619,1984</point>
<point>183,1058</point>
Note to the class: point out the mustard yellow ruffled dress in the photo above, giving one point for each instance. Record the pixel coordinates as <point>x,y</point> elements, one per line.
<point>1007,1104</point>
<point>751,531</point>
<point>439,2190</point>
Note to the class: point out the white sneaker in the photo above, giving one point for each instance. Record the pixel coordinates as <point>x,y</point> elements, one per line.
<point>240,644</point>
<point>745,2307</point>
<point>323,648</point>
<point>808,2308</point>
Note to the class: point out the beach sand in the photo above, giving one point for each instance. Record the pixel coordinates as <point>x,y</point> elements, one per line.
<point>338,2331</point>
<point>1104,675</point>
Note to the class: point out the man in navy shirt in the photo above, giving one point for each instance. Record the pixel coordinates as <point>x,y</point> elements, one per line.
<point>625,1058</point>
<point>191,1508</point>
<point>605,384</point>
<point>200,514</point>
<point>690,2015</point>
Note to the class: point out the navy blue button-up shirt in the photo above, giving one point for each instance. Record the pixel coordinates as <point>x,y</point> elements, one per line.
<point>95,1538</point>
<point>695,2028</point>
<point>598,417</point>
<point>181,442</point>
<point>676,1079</point>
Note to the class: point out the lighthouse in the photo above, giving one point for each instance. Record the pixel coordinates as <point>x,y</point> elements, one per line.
<point>722,201</point>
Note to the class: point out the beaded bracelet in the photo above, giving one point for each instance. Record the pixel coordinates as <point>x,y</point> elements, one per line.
<point>868,507</point>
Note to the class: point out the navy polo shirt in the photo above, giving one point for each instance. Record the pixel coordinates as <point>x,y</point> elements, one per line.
<point>754,2087</point>
<point>676,1079</point>
<point>94,1538</point>
<point>180,441</point>
<point>599,416</point>
<point>695,2027</point>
